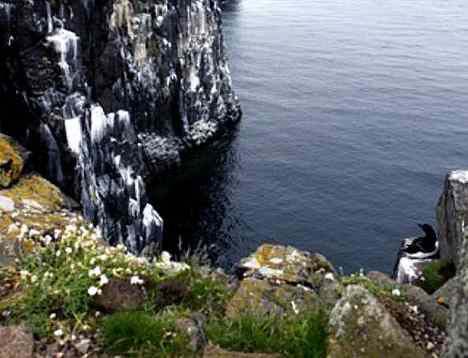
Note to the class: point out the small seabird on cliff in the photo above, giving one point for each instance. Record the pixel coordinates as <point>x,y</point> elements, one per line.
<point>414,254</point>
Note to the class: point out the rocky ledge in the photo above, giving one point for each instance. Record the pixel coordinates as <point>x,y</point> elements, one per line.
<point>65,292</point>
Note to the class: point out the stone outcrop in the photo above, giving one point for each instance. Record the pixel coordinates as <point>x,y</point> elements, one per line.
<point>362,327</point>
<point>108,94</point>
<point>457,343</point>
<point>452,215</point>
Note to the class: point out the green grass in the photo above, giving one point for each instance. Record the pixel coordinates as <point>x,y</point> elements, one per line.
<point>138,334</point>
<point>304,336</point>
<point>380,290</point>
<point>436,274</point>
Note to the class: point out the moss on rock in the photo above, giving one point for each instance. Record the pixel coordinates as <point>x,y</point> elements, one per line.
<point>362,327</point>
<point>11,161</point>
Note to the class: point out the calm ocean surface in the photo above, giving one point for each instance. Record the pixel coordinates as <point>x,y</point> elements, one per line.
<point>354,111</point>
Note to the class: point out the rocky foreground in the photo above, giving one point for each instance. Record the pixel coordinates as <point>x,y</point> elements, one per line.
<point>64,292</point>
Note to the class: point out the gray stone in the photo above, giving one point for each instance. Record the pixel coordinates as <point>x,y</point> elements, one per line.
<point>435,312</point>
<point>120,295</point>
<point>15,342</point>
<point>361,327</point>
<point>452,214</point>
<point>446,293</point>
<point>193,327</point>
<point>457,342</point>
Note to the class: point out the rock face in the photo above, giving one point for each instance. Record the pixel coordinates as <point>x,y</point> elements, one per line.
<point>452,215</point>
<point>107,94</point>
<point>457,343</point>
<point>362,327</point>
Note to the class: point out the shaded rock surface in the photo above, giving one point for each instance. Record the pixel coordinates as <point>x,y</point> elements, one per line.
<point>452,214</point>
<point>457,343</point>
<point>216,352</point>
<point>362,327</point>
<point>15,342</point>
<point>107,94</point>
<point>120,295</point>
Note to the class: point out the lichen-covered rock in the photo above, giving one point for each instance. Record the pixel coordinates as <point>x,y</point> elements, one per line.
<point>262,297</point>
<point>457,342</point>
<point>361,327</point>
<point>15,342</point>
<point>212,351</point>
<point>435,312</point>
<point>287,264</point>
<point>452,215</point>
<point>37,209</point>
<point>13,159</point>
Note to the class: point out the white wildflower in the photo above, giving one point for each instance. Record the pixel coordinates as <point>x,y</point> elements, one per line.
<point>68,250</point>
<point>24,274</point>
<point>58,333</point>
<point>103,280</point>
<point>92,291</point>
<point>33,278</point>
<point>396,292</point>
<point>135,280</point>
<point>103,257</point>
<point>58,253</point>
<point>53,316</point>
<point>95,272</point>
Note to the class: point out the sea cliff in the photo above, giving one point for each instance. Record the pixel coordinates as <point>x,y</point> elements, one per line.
<point>108,94</point>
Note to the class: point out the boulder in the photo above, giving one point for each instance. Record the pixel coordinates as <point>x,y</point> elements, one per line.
<point>287,264</point>
<point>435,312</point>
<point>15,342</point>
<point>263,297</point>
<point>193,327</point>
<point>13,159</point>
<point>216,352</point>
<point>361,327</point>
<point>120,295</point>
<point>445,294</point>
<point>452,214</point>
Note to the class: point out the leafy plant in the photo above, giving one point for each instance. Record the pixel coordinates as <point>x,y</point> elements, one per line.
<point>436,274</point>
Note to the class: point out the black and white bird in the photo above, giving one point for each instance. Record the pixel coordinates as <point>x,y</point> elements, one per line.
<point>414,253</point>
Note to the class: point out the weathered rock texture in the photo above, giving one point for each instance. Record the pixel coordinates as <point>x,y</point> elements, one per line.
<point>452,215</point>
<point>108,93</point>
<point>457,343</point>
<point>362,327</point>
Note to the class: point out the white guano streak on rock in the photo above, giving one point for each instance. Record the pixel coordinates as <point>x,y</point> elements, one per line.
<point>64,42</point>
<point>73,132</point>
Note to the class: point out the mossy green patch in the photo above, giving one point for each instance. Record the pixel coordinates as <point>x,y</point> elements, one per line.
<point>11,162</point>
<point>36,189</point>
<point>436,274</point>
